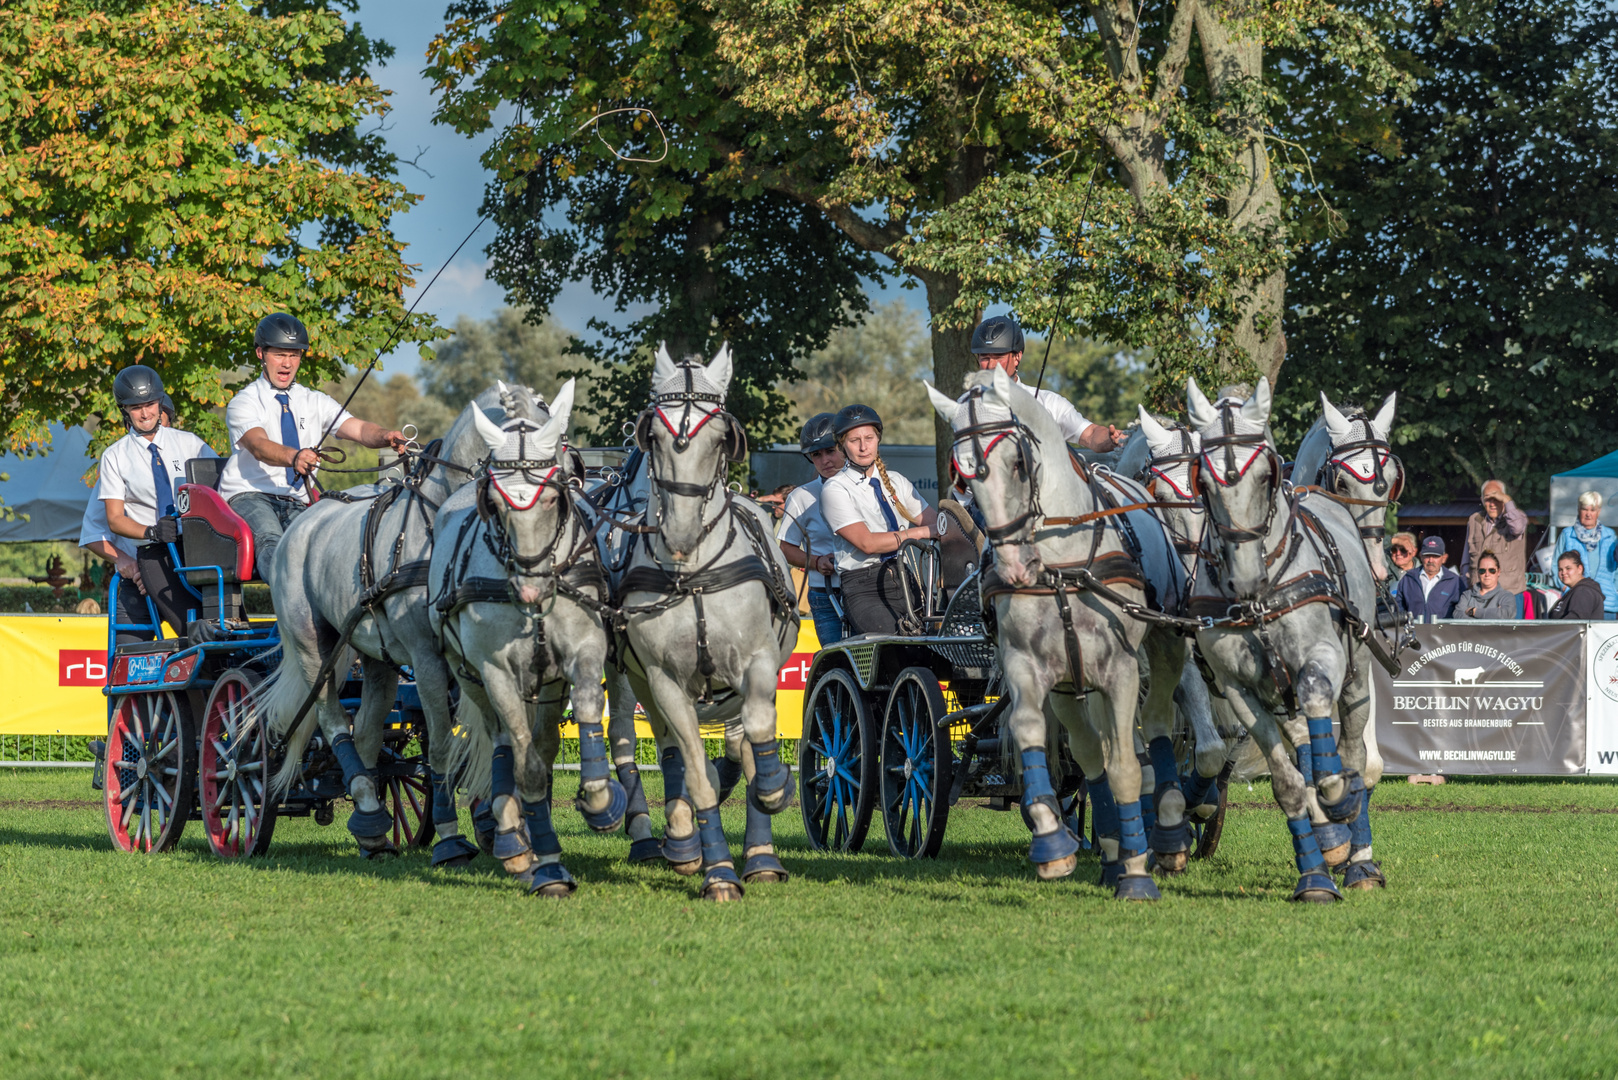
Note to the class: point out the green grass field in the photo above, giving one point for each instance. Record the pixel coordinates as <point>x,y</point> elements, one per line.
<point>1490,955</point>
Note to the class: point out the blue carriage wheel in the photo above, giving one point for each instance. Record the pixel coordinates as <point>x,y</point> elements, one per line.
<point>234,770</point>
<point>916,765</point>
<point>151,771</point>
<point>837,763</point>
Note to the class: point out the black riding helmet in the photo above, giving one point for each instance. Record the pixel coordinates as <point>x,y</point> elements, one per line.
<point>280,331</point>
<point>850,417</point>
<point>817,434</point>
<point>997,334</point>
<point>137,385</point>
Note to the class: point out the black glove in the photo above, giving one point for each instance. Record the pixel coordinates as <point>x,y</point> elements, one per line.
<point>166,531</point>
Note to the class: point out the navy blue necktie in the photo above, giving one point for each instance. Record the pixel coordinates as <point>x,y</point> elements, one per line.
<point>161,485</point>
<point>289,435</point>
<point>887,511</point>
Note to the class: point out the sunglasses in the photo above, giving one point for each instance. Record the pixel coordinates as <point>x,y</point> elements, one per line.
<point>1403,551</point>
<point>1486,570</point>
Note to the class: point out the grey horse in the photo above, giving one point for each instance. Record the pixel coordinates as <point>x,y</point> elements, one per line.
<point>1063,585</point>
<point>518,596</point>
<point>1347,455</point>
<point>707,605</point>
<point>1287,609</point>
<point>331,569</point>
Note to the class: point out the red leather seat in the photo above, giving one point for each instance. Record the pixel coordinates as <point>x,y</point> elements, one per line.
<point>214,535</point>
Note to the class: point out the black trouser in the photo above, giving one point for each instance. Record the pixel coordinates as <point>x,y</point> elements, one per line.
<point>165,588</point>
<point>874,598</point>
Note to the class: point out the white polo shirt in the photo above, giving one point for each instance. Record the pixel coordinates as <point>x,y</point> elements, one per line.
<point>95,527</point>
<point>847,498</point>
<point>803,525</point>
<point>1061,409</point>
<point>254,406</point>
<point>126,469</point>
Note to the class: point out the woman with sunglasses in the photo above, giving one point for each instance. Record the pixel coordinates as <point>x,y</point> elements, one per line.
<point>1402,552</point>
<point>1487,599</point>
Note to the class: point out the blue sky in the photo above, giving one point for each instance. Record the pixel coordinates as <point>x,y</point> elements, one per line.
<point>454,191</point>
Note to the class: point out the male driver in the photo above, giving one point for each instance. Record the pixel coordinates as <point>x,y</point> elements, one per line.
<point>998,342</point>
<point>139,476</point>
<point>276,425</point>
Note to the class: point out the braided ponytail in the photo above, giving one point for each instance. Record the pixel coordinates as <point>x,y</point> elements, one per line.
<point>892,494</point>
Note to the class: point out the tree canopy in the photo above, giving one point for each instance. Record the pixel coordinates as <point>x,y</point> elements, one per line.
<point>1476,274</point>
<point>170,173</point>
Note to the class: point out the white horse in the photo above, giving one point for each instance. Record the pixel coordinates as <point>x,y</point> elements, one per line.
<point>332,571</point>
<point>1289,604</point>
<point>1346,455</point>
<point>518,600</point>
<point>707,604</point>
<point>1063,573</point>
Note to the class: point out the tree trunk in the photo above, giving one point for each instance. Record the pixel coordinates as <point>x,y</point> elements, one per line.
<point>701,284</point>
<point>952,362</point>
<point>1252,204</point>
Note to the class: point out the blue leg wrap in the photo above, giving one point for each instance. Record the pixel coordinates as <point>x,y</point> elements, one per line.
<point>592,753</point>
<point>770,777</point>
<point>1359,829</point>
<point>1323,748</point>
<point>673,773</point>
<point>483,820</point>
<point>550,879</point>
<point>455,851</point>
<point>443,798</point>
<point>609,819</point>
<point>1304,846</point>
<point>1148,811</point>
<point>730,774</point>
<point>715,850</point>
<point>682,849</point>
<point>541,833</point>
<point>1364,874</point>
<point>1105,808</point>
<point>629,777</point>
<point>349,758</point>
<point>1349,806</point>
<point>1199,788</point>
<point>1170,839</point>
<point>1136,887</point>
<point>1057,844</point>
<point>1131,831</point>
<point>1036,778</point>
<point>371,824</point>
<point>1163,763</point>
<point>1329,836</point>
<point>1305,765</point>
<point>502,772</point>
<point>758,828</point>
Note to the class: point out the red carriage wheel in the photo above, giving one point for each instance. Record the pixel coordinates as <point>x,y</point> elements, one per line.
<point>151,770</point>
<point>407,796</point>
<point>238,811</point>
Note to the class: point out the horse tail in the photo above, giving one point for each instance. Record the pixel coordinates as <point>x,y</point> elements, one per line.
<point>280,697</point>
<point>471,750</point>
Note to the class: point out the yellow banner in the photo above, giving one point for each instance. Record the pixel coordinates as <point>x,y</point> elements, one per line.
<point>56,665</point>
<point>53,668</point>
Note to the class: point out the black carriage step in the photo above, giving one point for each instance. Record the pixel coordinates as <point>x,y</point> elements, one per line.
<point>144,648</point>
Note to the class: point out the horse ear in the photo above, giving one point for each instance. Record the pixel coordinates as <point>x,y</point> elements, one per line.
<point>1383,420</point>
<point>562,407</point>
<point>550,437</point>
<point>1336,423</point>
<point>1198,406</point>
<point>493,437</point>
<point>1158,437</point>
<point>1256,409</point>
<point>944,405</point>
<point>735,439</point>
<point>721,368</point>
<point>665,369</point>
<point>643,431</point>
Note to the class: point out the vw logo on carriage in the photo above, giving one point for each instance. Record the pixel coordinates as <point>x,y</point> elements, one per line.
<point>183,503</point>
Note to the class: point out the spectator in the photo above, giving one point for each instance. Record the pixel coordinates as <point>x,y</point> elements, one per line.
<point>1503,529</point>
<point>1431,591</point>
<point>1583,599</point>
<point>1489,600</point>
<point>1402,552</point>
<point>1597,546</point>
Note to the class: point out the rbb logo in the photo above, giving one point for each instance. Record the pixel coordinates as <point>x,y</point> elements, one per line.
<point>795,675</point>
<point>81,667</point>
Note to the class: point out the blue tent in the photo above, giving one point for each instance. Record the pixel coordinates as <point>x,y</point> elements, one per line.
<point>1599,475</point>
<point>49,488</point>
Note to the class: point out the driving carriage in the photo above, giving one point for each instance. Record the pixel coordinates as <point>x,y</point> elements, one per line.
<point>182,742</point>
<point>907,725</point>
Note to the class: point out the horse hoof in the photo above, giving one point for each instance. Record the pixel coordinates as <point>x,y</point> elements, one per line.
<point>550,879</point>
<point>684,853</point>
<point>385,849</point>
<point>722,892</point>
<point>764,867</point>
<point>1172,862</point>
<point>647,850</point>
<point>1334,842</point>
<point>1316,888</point>
<point>1056,869</point>
<point>1136,887</point>
<point>453,853</point>
<point>1365,876</point>
<point>1054,848</point>
<point>686,869</point>
<point>609,819</point>
<point>1336,856</point>
<point>510,844</point>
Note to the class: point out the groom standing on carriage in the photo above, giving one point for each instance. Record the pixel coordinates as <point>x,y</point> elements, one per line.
<point>998,343</point>
<point>276,426</point>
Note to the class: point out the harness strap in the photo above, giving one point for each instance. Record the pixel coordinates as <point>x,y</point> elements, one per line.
<point>1070,637</point>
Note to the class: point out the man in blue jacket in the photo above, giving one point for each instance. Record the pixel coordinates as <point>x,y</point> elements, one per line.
<point>1429,591</point>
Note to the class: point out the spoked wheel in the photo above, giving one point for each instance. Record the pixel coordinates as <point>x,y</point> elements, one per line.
<point>151,772</point>
<point>1207,833</point>
<point>238,811</point>
<point>837,765</point>
<point>916,766</point>
<point>406,794</point>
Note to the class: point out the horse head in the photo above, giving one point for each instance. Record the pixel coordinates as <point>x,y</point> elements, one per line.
<point>1171,453</point>
<point>1237,475</point>
<point>690,442</point>
<point>1362,471</point>
<point>523,491</point>
<point>998,429</point>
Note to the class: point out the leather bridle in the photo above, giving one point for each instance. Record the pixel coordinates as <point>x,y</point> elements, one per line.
<point>541,472</point>
<point>1337,470</point>
<point>1024,439</point>
<point>1229,443</point>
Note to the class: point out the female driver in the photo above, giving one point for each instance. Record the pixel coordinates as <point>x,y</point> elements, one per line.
<point>865,506</point>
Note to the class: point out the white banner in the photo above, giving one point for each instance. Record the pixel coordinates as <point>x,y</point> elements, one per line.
<point>1601,733</point>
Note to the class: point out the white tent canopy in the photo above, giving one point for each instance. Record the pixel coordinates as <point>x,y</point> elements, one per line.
<point>49,489</point>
